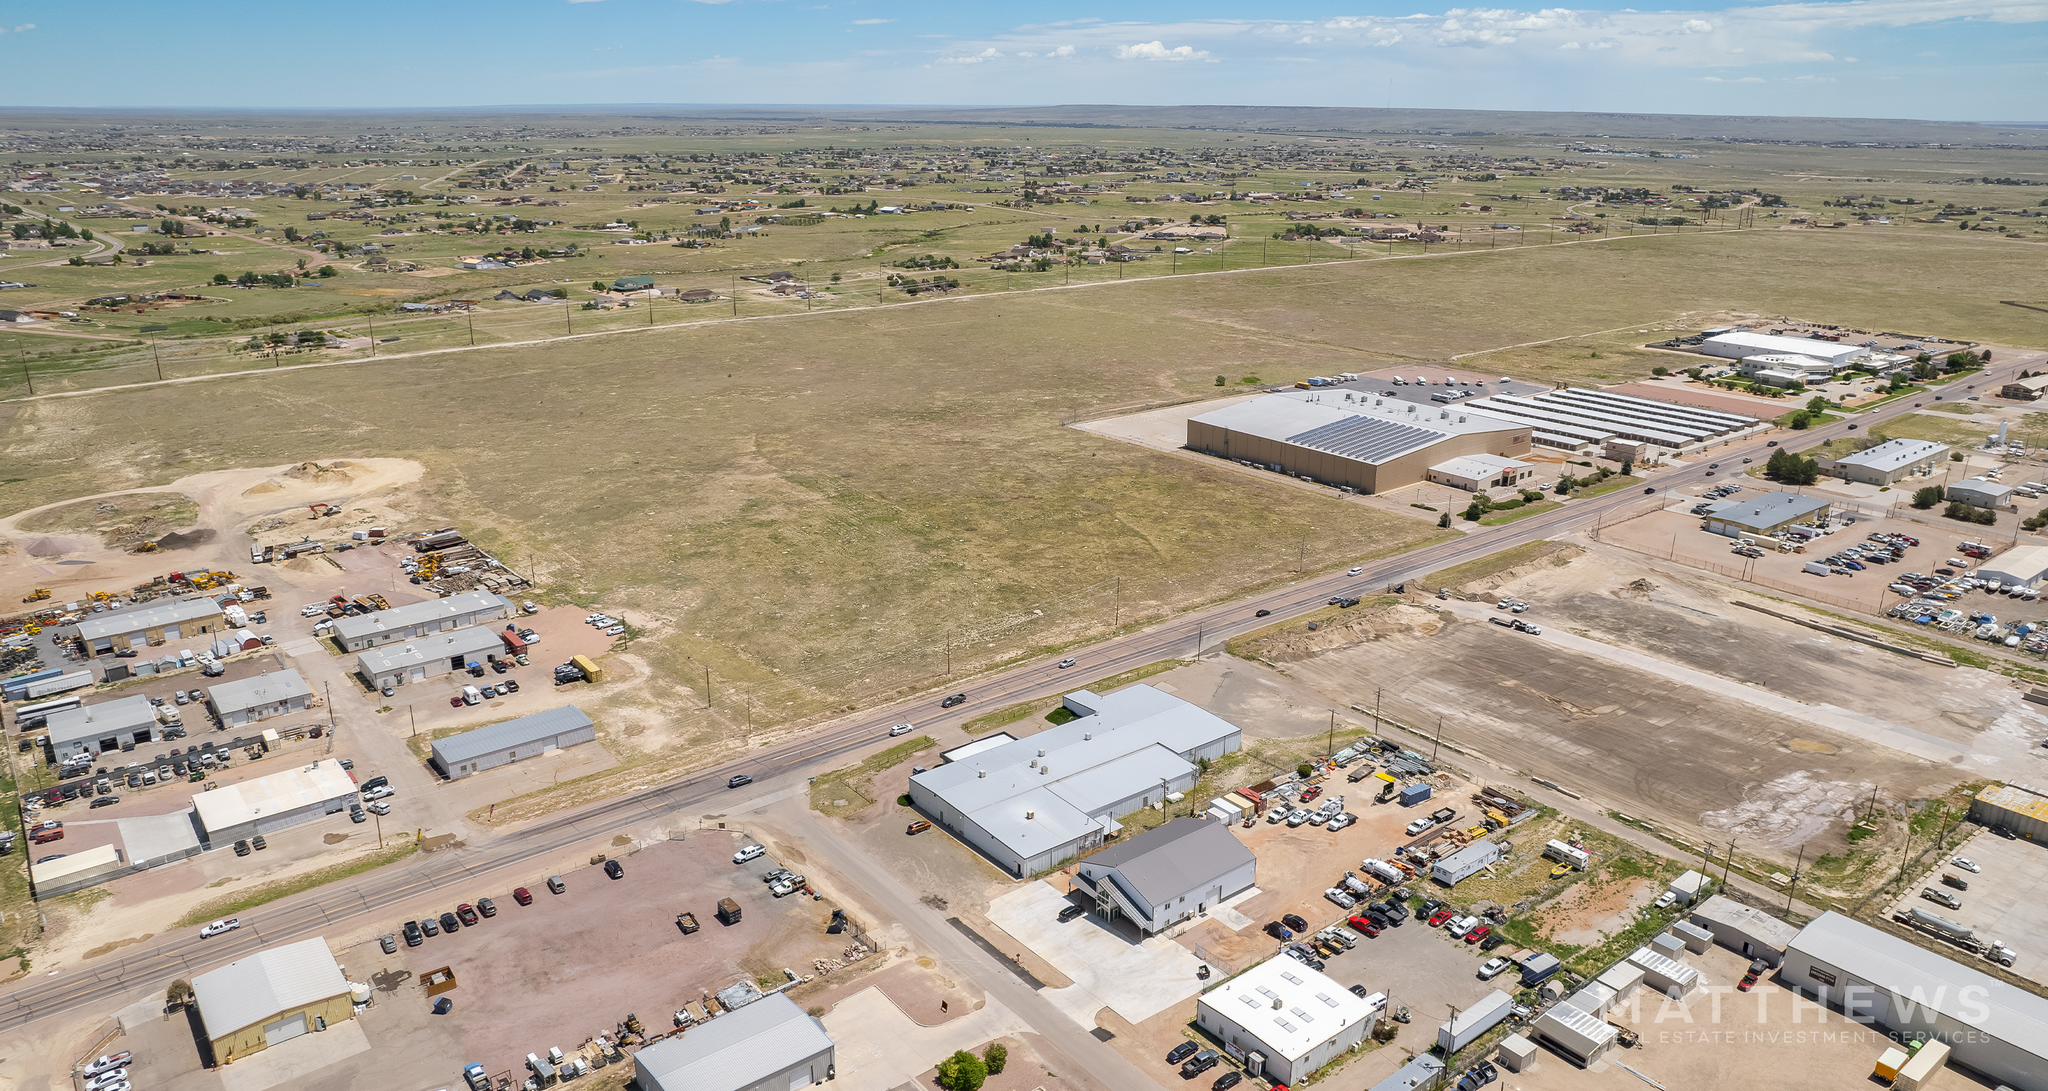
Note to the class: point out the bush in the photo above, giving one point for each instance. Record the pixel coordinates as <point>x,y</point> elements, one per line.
<point>1970,513</point>
<point>1926,496</point>
<point>995,1057</point>
<point>1304,770</point>
<point>1444,521</point>
<point>963,1071</point>
<point>1660,372</point>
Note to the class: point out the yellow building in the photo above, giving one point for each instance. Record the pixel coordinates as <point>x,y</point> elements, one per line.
<point>270,997</point>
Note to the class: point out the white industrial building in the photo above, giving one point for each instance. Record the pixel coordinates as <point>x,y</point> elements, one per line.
<point>1032,803</point>
<point>75,871</point>
<point>1784,369</point>
<point>272,693</point>
<point>1475,472</point>
<point>268,804</point>
<point>1617,425</point>
<point>768,1045</point>
<point>1576,1028</point>
<point>1739,927</point>
<point>1889,462</point>
<point>109,726</point>
<point>1164,876</point>
<point>150,626</point>
<point>1466,862</point>
<point>418,619</point>
<point>1997,1030</point>
<point>1981,492</point>
<point>1365,442</point>
<point>426,657</point>
<point>1294,1018</point>
<point>473,752</point>
<point>1737,344</point>
<point>2023,565</point>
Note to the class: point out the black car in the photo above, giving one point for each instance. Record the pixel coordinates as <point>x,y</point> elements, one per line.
<point>614,869</point>
<point>1263,613</point>
<point>413,936</point>
<point>1315,964</point>
<point>1070,912</point>
<point>1294,921</point>
<point>739,781</point>
<point>428,926</point>
<point>1377,915</point>
<point>241,848</point>
<point>956,699</point>
<point>374,782</point>
<point>509,685</point>
<point>1228,1080</point>
<point>1492,941</point>
<point>1278,931</point>
<point>258,842</point>
<point>449,924</point>
<point>1198,1064</point>
<point>1181,1052</point>
<point>1358,991</point>
<point>106,801</point>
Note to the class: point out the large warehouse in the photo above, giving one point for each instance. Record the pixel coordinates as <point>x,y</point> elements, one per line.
<point>768,1045</point>
<point>1766,514</point>
<point>272,693</point>
<point>426,657</point>
<point>271,997</point>
<point>278,801</point>
<point>1296,1018</point>
<point>1888,462</point>
<point>148,626</point>
<point>2016,807</point>
<point>1737,344</point>
<point>2022,565</point>
<point>1048,797</point>
<point>109,726</point>
<point>1996,1029</point>
<point>1367,443</point>
<point>502,744</point>
<point>419,619</point>
<point>1164,876</point>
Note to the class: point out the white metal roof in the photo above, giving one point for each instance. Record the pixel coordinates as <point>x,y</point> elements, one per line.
<point>74,865</point>
<point>1123,742</point>
<point>1767,510</point>
<point>1478,466</point>
<point>1370,429</point>
<point>1584,1031</point>
<point>418,613</point>
<point>1750,920</point>
<point>1894,454</point>
<point>267,688</point>
<point>2006,1012</point>
<point>737,1049</point>
<point>2025,564</point>
<point>474,640</point>
<point>1290,1008</point>
<point>100,720</point>
<point>1757,343</point>
<point>253,989</point>
<point>1982,486</point>
<point>122,622</point>
<point>545,724</point>
<point>1664,966</point>
<point>234,804</point>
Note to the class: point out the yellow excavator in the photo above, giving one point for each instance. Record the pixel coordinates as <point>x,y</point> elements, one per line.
<point>40,594</point>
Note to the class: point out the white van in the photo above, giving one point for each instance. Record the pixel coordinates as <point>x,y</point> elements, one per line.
<point>471,696</point>
<point>1375,1004</point>
<point>1814,568</point>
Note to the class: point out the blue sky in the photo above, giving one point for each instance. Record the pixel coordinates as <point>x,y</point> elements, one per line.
<point>1942,59</point>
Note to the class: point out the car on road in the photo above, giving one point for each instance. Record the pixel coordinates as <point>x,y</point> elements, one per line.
<point>1492,968</point>
<point>467,913</point>
<point>1067,662</point>
<point>901,729</point>
<point>1182,1052</point>
<point>749,852</point>
<point>215,928</point>
<point>954,700</point>
<point>1966,864</point>
<point>740,780</point>
<point>1355,571</point>
<point>1294,921</point>
<point>449,924</point>
<point>614,869</point>
<point>522,895</point>
<point>1070,912</point>
<point>1262,613</point>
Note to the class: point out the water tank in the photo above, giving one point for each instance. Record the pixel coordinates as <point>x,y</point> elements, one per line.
<point>359,992</point>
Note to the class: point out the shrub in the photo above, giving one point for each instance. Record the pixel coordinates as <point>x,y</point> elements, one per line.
<point>1444,521</point>
<point>180,994</point>
<point>1304,770</point>
<point>963,1071</point>
<point>1926,496</point>
<point>1660,371</point>
<point>995,1057</point>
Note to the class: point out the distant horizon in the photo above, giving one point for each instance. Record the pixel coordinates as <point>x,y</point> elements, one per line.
<point>1937,60</point>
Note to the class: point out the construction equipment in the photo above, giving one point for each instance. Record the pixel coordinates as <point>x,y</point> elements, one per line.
<point>39,595</point>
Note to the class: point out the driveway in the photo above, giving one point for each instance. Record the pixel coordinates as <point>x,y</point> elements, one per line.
<point>1137,980</point>
<point>880,1047</point>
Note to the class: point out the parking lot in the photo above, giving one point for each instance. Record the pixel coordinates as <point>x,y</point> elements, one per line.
<point>2007,901</point>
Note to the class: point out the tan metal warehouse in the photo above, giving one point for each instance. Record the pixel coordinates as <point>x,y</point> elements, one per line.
<point>150,626</point>
<point>270,997</point>
<point>1370,445</point>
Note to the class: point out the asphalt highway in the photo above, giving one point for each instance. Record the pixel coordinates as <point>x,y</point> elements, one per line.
<point>105,982</point>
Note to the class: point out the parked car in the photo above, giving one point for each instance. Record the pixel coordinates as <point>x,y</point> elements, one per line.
<point>428,925</point>
<point>1365,925</point>
<point>1182,1052</point>
<point>1294,921</point>
<point>1479,933</point>
<point>107,1063</point>
<point>449,924</point>
<point>242,848</point>
<point>1228,1080</point>
<point>258,843</point>
<point>749,852</point>
<point>1418,826</point>
<point>614,869</point>
<point>487,907</point>
<point>388,943</point>
<point>1966,864</point>
<point>1492,968</point>
<point>1278,931</point>
<point>467,913</point>
<point>1198,1064</point>
<point>522,895</point>
<point>1070,912</point>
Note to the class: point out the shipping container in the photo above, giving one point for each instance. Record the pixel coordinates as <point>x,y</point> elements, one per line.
<point>1414,793</point>
<point>61,684</point>
<point>14,687</point>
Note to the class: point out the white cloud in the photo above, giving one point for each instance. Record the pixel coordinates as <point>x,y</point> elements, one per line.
<point>871,22</point>
<point>1695,26</point>
<point>1157,51</point>
<point>989,54</point>
<point>22,29</point>
<point>1063,51</point>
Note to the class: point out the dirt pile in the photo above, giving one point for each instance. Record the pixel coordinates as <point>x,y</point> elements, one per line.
<point>1295,641</point>
<point>334,473</point>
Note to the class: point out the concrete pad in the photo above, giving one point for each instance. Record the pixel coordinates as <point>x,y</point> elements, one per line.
<point>880,1047</point>
<point>1226,912</point>
<point>1137,980</point>
<point>293,1061</point>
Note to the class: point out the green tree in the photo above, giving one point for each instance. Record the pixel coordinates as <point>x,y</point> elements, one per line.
<point>1221,381</point>
<point>1660,371</point>
<point>995,1057</point>
<point>179,994</point>
<point>326,271</point>
<point>1628,466</point>
<point>1926,496</point>
<point>1304,770</point>
<point>1817,404</point>
<point>597,286</point>
<point>1800,421</point>
<point>221,278</point>
<point>1444,521</point>
<point>1481,504</point>
<point>963,1071</point>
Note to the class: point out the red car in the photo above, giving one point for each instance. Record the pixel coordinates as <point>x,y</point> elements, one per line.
<point>1314,791</point>
<point>1370,929</point>
<point>522,896</point>
<point>1437,919</point>
<point>1748,983</point>
<point>468,914</point>
<point>1477,934</point>
<point>455,701</point>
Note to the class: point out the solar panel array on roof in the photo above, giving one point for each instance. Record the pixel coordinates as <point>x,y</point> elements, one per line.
<point>1366,439</point>
<point>1687,412</point>
<point>1602,410</point>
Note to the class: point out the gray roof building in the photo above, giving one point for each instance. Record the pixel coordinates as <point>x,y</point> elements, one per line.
<point>1981,491</point>
<point>419,619</point>
<point>502,744</point>
<point>1370,443</point>
<point>133,627</point>
<point>272,693</point>
<point>1166,875</point>
<point>1764,514</point>
<point>768,1045</point>
<point>1744,928</point>
<point>94,727</point>
<point>426,657</point>
<point>1889,461</point>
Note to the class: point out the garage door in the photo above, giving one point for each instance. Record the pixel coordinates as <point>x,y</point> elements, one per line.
<point>284,1030</point>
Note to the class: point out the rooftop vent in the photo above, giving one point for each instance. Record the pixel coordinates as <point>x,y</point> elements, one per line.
<point>1030,814</point>
<point>981,774</point>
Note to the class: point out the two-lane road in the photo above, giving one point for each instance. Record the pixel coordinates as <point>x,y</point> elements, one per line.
<point>107,981</point>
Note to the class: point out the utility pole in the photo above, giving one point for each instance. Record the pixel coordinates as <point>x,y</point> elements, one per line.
<point>1330,744</point>
<point>1439,736</point>
<point>1376,694</point>
<point>1795,879</point>
<point>707,686</point>
<point>1117,618</point>
<point>1728,863</point>
<point>373,335</point>
<point>380,828</point>
<point>414,719</point>
<point>471,312</point>
<point>328,687</point>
